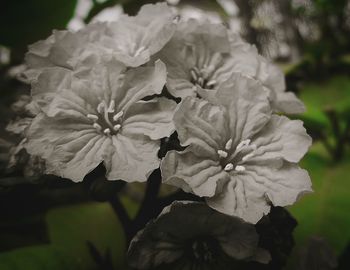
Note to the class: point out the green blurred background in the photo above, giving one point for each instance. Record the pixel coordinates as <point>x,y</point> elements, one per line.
<point>49,225</point>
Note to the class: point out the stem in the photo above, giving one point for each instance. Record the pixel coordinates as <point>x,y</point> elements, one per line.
<point>148,208</point>
<point>122,215</point>
<point>334,120</point>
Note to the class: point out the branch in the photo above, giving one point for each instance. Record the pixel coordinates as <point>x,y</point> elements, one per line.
<point>122,214</point>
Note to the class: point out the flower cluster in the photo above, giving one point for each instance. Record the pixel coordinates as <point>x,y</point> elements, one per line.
<point>109,92</point>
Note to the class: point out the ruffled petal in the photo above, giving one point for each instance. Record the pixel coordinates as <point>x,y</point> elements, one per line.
<point>133,159</point>
<point>288,102</point>
<point>282,186</point>
<point>59,49</point>
<point>192,173</point>
<point>194,45</point>
<point>247,104</point>
<point>241,197</point>
<point>134,40</point>
<point>70,147</point>
<point>249,195</point>
<point>281,138</point>
<point>202,126</point>
<point>152,118</point>
<point>139,83</point>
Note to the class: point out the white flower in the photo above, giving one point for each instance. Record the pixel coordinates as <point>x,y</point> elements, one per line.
<point>99,116</point>
<point>240,157</point>
<point>130,40</point>
<point>200,56</point>
<point>193,236</point>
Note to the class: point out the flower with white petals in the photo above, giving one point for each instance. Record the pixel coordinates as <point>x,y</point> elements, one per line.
<point>190,235</point>
<point>239,155</point>
<point>100,116</point>
<point>130,40</point>
<point>200,56</point>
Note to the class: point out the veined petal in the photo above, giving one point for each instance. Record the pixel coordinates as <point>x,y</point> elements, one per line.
<point>247,104</point>
<point>249,194</point>
<point>133,159</point>
<point>202,126</point>
<point>76,164</point>
<point>152,118</point>
<point>159,21</point>
<point>139,83</point>
<point>67,104</point>
<point>194,45</point>
<point>241,197</point>
<point>71,148</point>
<point>134,39</point>
<point>58,49</point>
<point>47,83</point>
<point>281,138</point>
<point>192,173</point>
<point>288,102</point>
<point>283,186</point>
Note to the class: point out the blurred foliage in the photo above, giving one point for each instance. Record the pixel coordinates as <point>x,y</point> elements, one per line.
<point>24,22</point>
<point>73,230</point>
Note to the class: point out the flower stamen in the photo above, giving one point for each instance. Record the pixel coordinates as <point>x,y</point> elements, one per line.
<point>222,154</point>
<point>228,167</point>
<point>118,115</point>
<point>228,145</point>
<point>211,83</point>
<point>111,106</point>
<point>242,144</point>
<point>93,117</point>
<point>194,75</point>
<point>239,168</point>
<point>117,127</point>
<point>97,126</point>
<point>100,107</point>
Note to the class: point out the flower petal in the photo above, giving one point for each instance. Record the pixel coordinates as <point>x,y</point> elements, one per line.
<point>192,173</point>
<point>287,102</point>
<point>159,20</point>
<point>134,39</point>
<point>283,186</point>
<point>241,197</point>
<point>248,195</point>
<point>59,49</point>
<point>247,104</point>
<point>281,138</point>
<point>202,126</point>
<point>71,148</point>
<point>139,83</point>
<point>246,60</point>
<point>133,159</point>
<point>193,45</point>
<point>152,118</point>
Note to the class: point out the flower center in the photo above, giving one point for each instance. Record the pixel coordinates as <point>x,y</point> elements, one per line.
<point>106,121</point>
<point>233,160</point>
<point>202,76</point>
<point>202,250</point>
